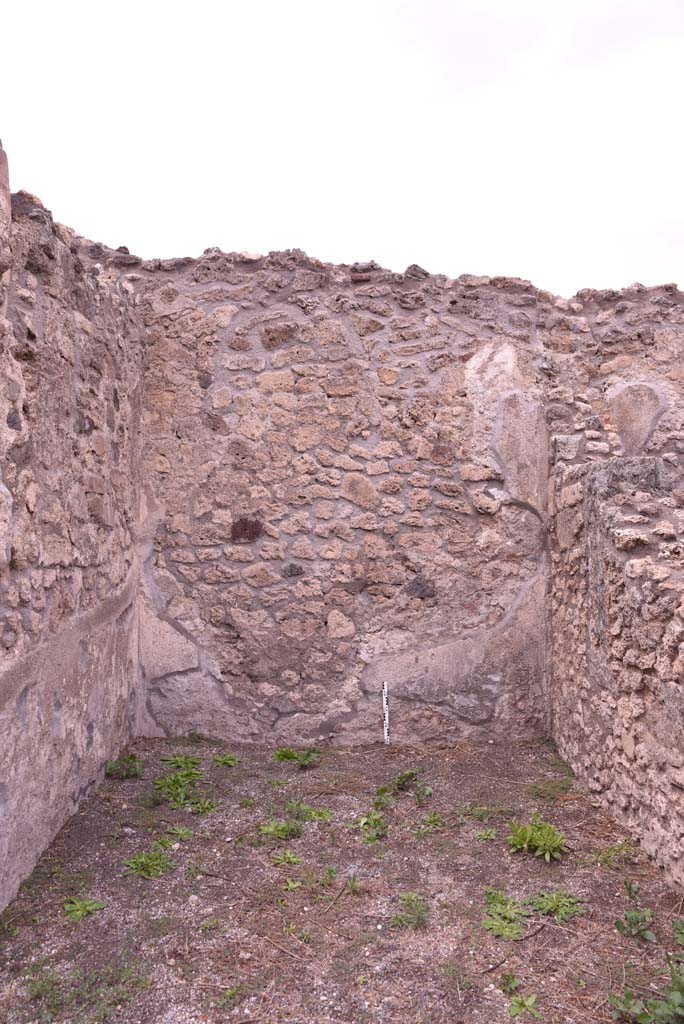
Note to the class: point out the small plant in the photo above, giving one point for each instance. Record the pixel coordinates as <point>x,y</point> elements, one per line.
<point>248,803</point>
<point>667,1009</point>
<point>486,835</point>
<point>281,829</point>
<point>180,833</point>
<point>210,925</point>
<point>372,826</point>
<point>404,781</point>
<point>182,762</point>
<point>292,886</point>
<point>383,799</point>
<point>178,788</point>
<point>422,793</point>
<point>226,760</point>
<point>86,994</point>
<point>521,1005</point>
<point>149,865</point>
<point>434,822</point>
<point>128,767</point>
<point>203,805</point>
<point>632,890</point>
<point>537,837</point>
<point>355,886</point>
<point>163,843</point>
<point>615,856</point>
<point>635,923</point>
<point>559,904</point>
<point>550,789</point>
<point>678,932</point>
<point>504,917</point>
<point>302,812</point>
<point>508,983</point>
<point>76,909</point>
<point>229,996</point>
<point>305,936</point>
<point>415,913</point>
<point>303,758</point>
<point>328,877</point>
<point>286,857</point>
<point>308,759</point>
<point>278,783</point>
<point>285,754</point>
<point>474,813</point>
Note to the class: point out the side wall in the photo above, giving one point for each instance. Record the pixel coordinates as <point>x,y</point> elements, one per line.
<point>346,481</point>
<point>618,567</point>
<point>69,424</point>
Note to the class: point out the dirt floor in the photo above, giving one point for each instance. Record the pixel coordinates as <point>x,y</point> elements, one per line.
<point>243,926</point>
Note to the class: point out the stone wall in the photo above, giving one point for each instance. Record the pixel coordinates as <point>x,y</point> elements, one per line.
<point>616,416</point>
<point>69,472</point>
<point>238,493</point>
<point>346,481</point>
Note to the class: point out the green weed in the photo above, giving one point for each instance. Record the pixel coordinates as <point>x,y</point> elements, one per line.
<point>434,822</point>
<point>281,829</point>
<point>372,826</point>
<point>486,835</point>
<point>508,983</point>
<point>550,789</point>
<point>229,996</point>
<point>635,923</point>
<point>286,857</point>
<point>404,781</point>
<point>178,788</point>
<point>668,1008</point>
<point>559,904</point>
<point>203,805</point>
<point>226,760</point>
<point>183,763</point>
<point>422,793</point>
<point>153,864</point>
<point>286,754</point>
<point>615,856</point>
<point>278,783</point>
<point>328,877</point>
<point>383,799</point>
<point>211,924</point>
<point>474,813</point>
<point>538,837</point>
<point>180,833</point>
<point>94,995</point>
<point>504,917</point>
<point>128,767</point>
<point>632,890</point>
<point>521,1005</point>
<point>76,909</point>
<point>415,913</point>
<point>303,812</point>
<point>302,758</point>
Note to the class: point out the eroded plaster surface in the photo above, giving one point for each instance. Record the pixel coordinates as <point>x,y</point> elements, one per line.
<point>239,492</point>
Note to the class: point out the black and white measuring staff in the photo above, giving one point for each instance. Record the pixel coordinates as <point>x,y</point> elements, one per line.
<point>385,712</point>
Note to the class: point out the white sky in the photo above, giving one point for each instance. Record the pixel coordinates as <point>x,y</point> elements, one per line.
<point>536,138</point>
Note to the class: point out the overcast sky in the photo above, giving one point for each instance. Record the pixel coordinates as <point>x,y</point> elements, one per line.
<point>536,138</point>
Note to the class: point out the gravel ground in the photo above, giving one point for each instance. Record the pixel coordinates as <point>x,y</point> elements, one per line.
<point>237,929</point>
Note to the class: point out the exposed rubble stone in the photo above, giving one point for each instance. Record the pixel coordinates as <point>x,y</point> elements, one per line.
<point>240,492</point>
